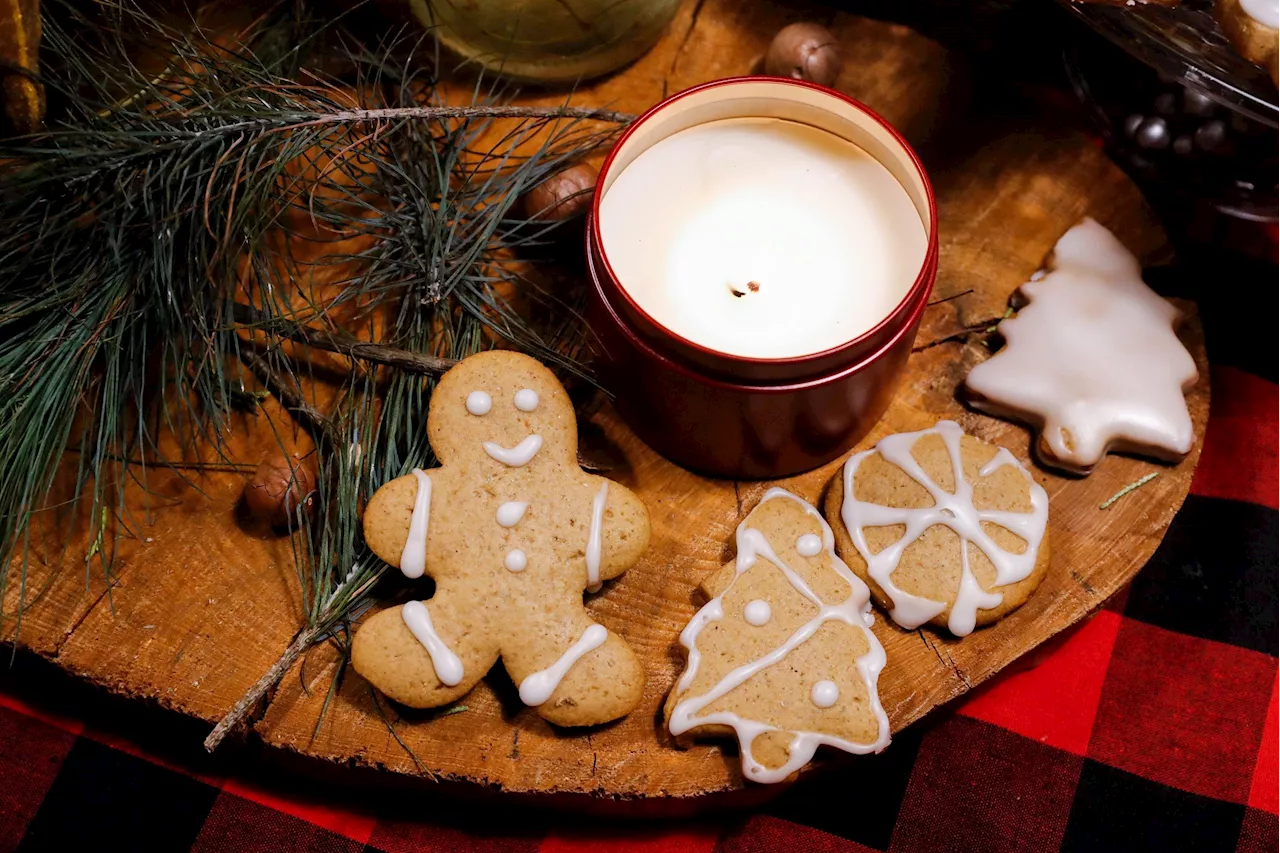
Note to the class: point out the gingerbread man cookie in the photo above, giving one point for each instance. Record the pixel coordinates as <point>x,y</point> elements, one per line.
<point>512,531</point>
<point>782,654</point>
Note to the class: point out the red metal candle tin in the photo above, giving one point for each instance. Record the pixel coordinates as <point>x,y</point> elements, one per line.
<point>735,416</point>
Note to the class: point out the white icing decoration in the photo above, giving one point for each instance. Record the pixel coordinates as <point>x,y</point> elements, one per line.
<point>518,456</point>
<point>515,561</point>
<point>955,511</point>
<point>825,694</point>
<point>510,513</point>
<point>413,559</point>
<point>1265,12</point>
<point>447,666</point>
<point>1094,354</point>
<point>526,399</point>
<point>479,403</point>
<point>594,537</point>
<point>854,610</point>
<point>809,545</point>
<point>537,688</point>
<point>757,612</point>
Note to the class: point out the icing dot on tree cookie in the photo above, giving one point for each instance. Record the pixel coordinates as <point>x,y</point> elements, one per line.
<point>757,612</point>
<point>825,694</point>
<point>808,545</point>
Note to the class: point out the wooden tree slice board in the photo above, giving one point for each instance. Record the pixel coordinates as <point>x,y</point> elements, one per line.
<point>202,603</point>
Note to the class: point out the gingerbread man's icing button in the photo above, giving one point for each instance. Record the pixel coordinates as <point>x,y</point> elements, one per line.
<point>510,573</point>
<point>510,513</point>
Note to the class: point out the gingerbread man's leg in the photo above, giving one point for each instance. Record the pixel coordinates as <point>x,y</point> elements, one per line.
<point>573,670</point>
<point>417,655</point>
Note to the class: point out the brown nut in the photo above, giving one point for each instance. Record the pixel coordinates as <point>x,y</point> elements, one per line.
<point>804,51</point>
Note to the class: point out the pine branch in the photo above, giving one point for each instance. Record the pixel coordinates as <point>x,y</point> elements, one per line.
<point>471,112</point>
<point>154,208</point>
<point>343,344</point>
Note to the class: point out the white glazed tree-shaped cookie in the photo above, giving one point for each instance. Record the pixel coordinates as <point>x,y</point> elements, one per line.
<point>1092,360</point>
<point>782,654</point>
<point>512,531</point>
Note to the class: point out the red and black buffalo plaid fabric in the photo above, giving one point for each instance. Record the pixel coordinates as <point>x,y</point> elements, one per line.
<point>1152,726</point>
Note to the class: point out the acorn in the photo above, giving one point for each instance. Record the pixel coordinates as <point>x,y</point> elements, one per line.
<point>804,51</point>
<point>277,488</point>
<point>565,195</point>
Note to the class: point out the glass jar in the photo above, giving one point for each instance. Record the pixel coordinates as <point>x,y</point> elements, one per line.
<point>547,41</point>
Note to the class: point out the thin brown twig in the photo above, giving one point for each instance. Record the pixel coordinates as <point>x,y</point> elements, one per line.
<point>320,427</point>
<point>267,682</point>
<point>392,113</point>
<point>329,341</point>
<point>949,298</point>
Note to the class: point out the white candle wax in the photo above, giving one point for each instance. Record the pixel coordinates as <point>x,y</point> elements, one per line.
<point>761,237</point>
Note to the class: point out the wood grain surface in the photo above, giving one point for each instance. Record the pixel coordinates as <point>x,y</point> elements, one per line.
<point>202,602</point>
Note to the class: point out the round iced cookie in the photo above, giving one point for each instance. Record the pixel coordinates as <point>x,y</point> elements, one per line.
<point>905,488</point>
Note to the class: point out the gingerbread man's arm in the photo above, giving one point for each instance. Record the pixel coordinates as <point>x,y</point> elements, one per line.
<point>399,510</point>
<point>624,528</point>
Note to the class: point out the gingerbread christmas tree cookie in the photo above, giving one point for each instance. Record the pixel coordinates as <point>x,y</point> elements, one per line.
<point>1092,360</point>
<point>945,528</point>
<point>782,655</point>
<point>512,531</point>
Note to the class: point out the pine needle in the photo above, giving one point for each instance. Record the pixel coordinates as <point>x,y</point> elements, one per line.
<point>1136,484</point>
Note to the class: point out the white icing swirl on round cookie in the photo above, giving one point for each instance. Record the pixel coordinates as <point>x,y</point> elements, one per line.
<point>953,510</point>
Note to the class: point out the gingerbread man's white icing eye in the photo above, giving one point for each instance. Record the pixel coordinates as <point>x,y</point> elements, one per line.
<point>526,400</point>
<point>479,403</point>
